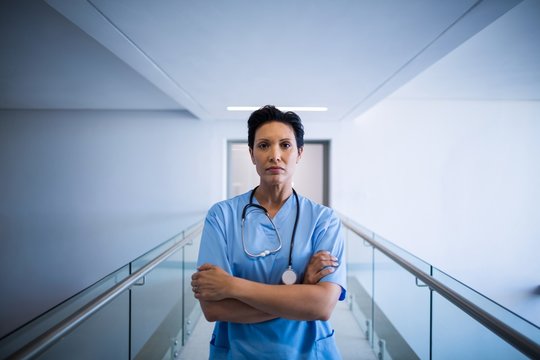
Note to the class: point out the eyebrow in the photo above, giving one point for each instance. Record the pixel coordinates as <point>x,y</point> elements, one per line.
<point>266,139</point>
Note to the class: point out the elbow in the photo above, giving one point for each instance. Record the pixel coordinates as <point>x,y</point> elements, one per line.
<point>321,312</point>
<point>315,314</point>
<point>328,301</point>
<point>325,314</point>
<point>325,317</point>
<point>209,314</point>
<point>210,317</point>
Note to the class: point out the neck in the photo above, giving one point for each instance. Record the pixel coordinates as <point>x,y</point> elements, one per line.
<point>273,197</point>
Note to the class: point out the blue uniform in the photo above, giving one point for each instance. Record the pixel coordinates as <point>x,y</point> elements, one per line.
<point>318,229</point>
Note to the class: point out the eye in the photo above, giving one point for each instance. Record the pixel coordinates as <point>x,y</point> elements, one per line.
<point>286,145</point>
<point>262,146</point>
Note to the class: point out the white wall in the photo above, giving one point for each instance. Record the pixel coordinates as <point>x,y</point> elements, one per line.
<point>454,182</point>
<point>447,167</point>
<point>451,182</point>
<point>85,192</point>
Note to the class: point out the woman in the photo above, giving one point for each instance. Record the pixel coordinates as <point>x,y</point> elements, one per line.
<point>266,274</point>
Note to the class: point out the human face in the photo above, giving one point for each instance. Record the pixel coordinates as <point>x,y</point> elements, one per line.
<point>275,153</point>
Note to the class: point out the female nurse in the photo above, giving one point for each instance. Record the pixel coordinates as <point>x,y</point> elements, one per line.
<point>269,273</point>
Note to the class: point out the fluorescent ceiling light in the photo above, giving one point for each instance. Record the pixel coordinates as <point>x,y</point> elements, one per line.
<point>282,108</point>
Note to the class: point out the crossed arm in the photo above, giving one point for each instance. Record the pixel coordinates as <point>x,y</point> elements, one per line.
<point>227,298</point>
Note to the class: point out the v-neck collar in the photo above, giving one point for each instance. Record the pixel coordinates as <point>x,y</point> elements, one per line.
<point>283,211</point>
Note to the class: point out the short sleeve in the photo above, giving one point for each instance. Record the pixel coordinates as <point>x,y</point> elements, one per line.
<point>329,237</point>
<point>213,248</point>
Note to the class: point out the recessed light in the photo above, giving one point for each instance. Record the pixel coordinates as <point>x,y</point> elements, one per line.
<point>282,108</point>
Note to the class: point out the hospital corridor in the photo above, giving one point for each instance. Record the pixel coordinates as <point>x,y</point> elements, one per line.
<point>350,339</point>
<point>247,179</point>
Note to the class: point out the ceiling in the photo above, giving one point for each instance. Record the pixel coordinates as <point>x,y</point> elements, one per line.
<point>500,63</point>
<point>198,57</point>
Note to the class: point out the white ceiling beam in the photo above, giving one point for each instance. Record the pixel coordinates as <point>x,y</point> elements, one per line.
<point>477,17</point>
<point>89,19</point>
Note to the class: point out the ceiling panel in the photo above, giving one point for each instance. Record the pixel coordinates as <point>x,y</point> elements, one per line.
<point>294,53</point>
<point>502,62</point>
<point>202,56</point>
<point>49,63</point>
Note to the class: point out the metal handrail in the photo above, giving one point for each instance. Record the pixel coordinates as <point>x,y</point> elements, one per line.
<point>519,341</point>
<point>54,334</point>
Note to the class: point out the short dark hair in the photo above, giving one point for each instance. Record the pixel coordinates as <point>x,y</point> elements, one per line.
<point>271,113</point>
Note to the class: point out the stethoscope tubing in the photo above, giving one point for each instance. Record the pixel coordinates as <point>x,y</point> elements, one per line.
<point>265,252</point>
<point>269,252</point>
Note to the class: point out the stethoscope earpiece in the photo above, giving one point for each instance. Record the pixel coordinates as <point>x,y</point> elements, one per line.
<point>264,253</point>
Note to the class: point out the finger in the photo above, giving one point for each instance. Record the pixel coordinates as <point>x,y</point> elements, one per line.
<point>328,258</point>
<point>205,266</point>
<point>315,277</point>
<point>327,263</point>
<point>323,252</point>
<point>326,255</point>
<point>321,264</point>
<point>320,254</point>
<point>324,272</point>
<point>327,270</point>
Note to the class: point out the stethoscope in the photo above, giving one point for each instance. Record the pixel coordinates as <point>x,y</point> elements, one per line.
<point>289,275</point>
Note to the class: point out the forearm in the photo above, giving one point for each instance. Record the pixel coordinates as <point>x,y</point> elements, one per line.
<point>295,302</point>
<point>232,310</point>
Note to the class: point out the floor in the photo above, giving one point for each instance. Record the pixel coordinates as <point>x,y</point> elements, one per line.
<point>349,337</point>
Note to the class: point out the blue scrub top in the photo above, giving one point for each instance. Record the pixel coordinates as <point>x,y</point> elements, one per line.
<point>221,244</point>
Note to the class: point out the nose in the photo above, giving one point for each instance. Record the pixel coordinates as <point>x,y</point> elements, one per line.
<point>275,154</point>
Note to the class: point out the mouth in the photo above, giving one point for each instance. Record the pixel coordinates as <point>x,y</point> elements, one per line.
<point>274,169</point>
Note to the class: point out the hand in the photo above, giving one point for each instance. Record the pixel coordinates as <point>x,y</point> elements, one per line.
<point>320,265</point>
<point>210,283</point>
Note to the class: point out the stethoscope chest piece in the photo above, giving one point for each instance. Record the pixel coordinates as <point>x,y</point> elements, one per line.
<point>289,276</point>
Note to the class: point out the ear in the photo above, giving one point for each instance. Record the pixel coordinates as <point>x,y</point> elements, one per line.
<point>300,152</point>
<point>252,157</point>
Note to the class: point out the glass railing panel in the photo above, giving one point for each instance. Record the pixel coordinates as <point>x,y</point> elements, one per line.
<point>458,336</point>
<point>359,259</point>
<point>506,316</point>
<point>397,306</point>
<point>146,258</point>
<point>40,325</point>
<point>146,321</point>
<point>361,228</point>
<point>359,262</point>
<point>402,312</point>
<point>156,308</point>
<point>405,255</point>
<point>192,310</point>
<point>105,335</point>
